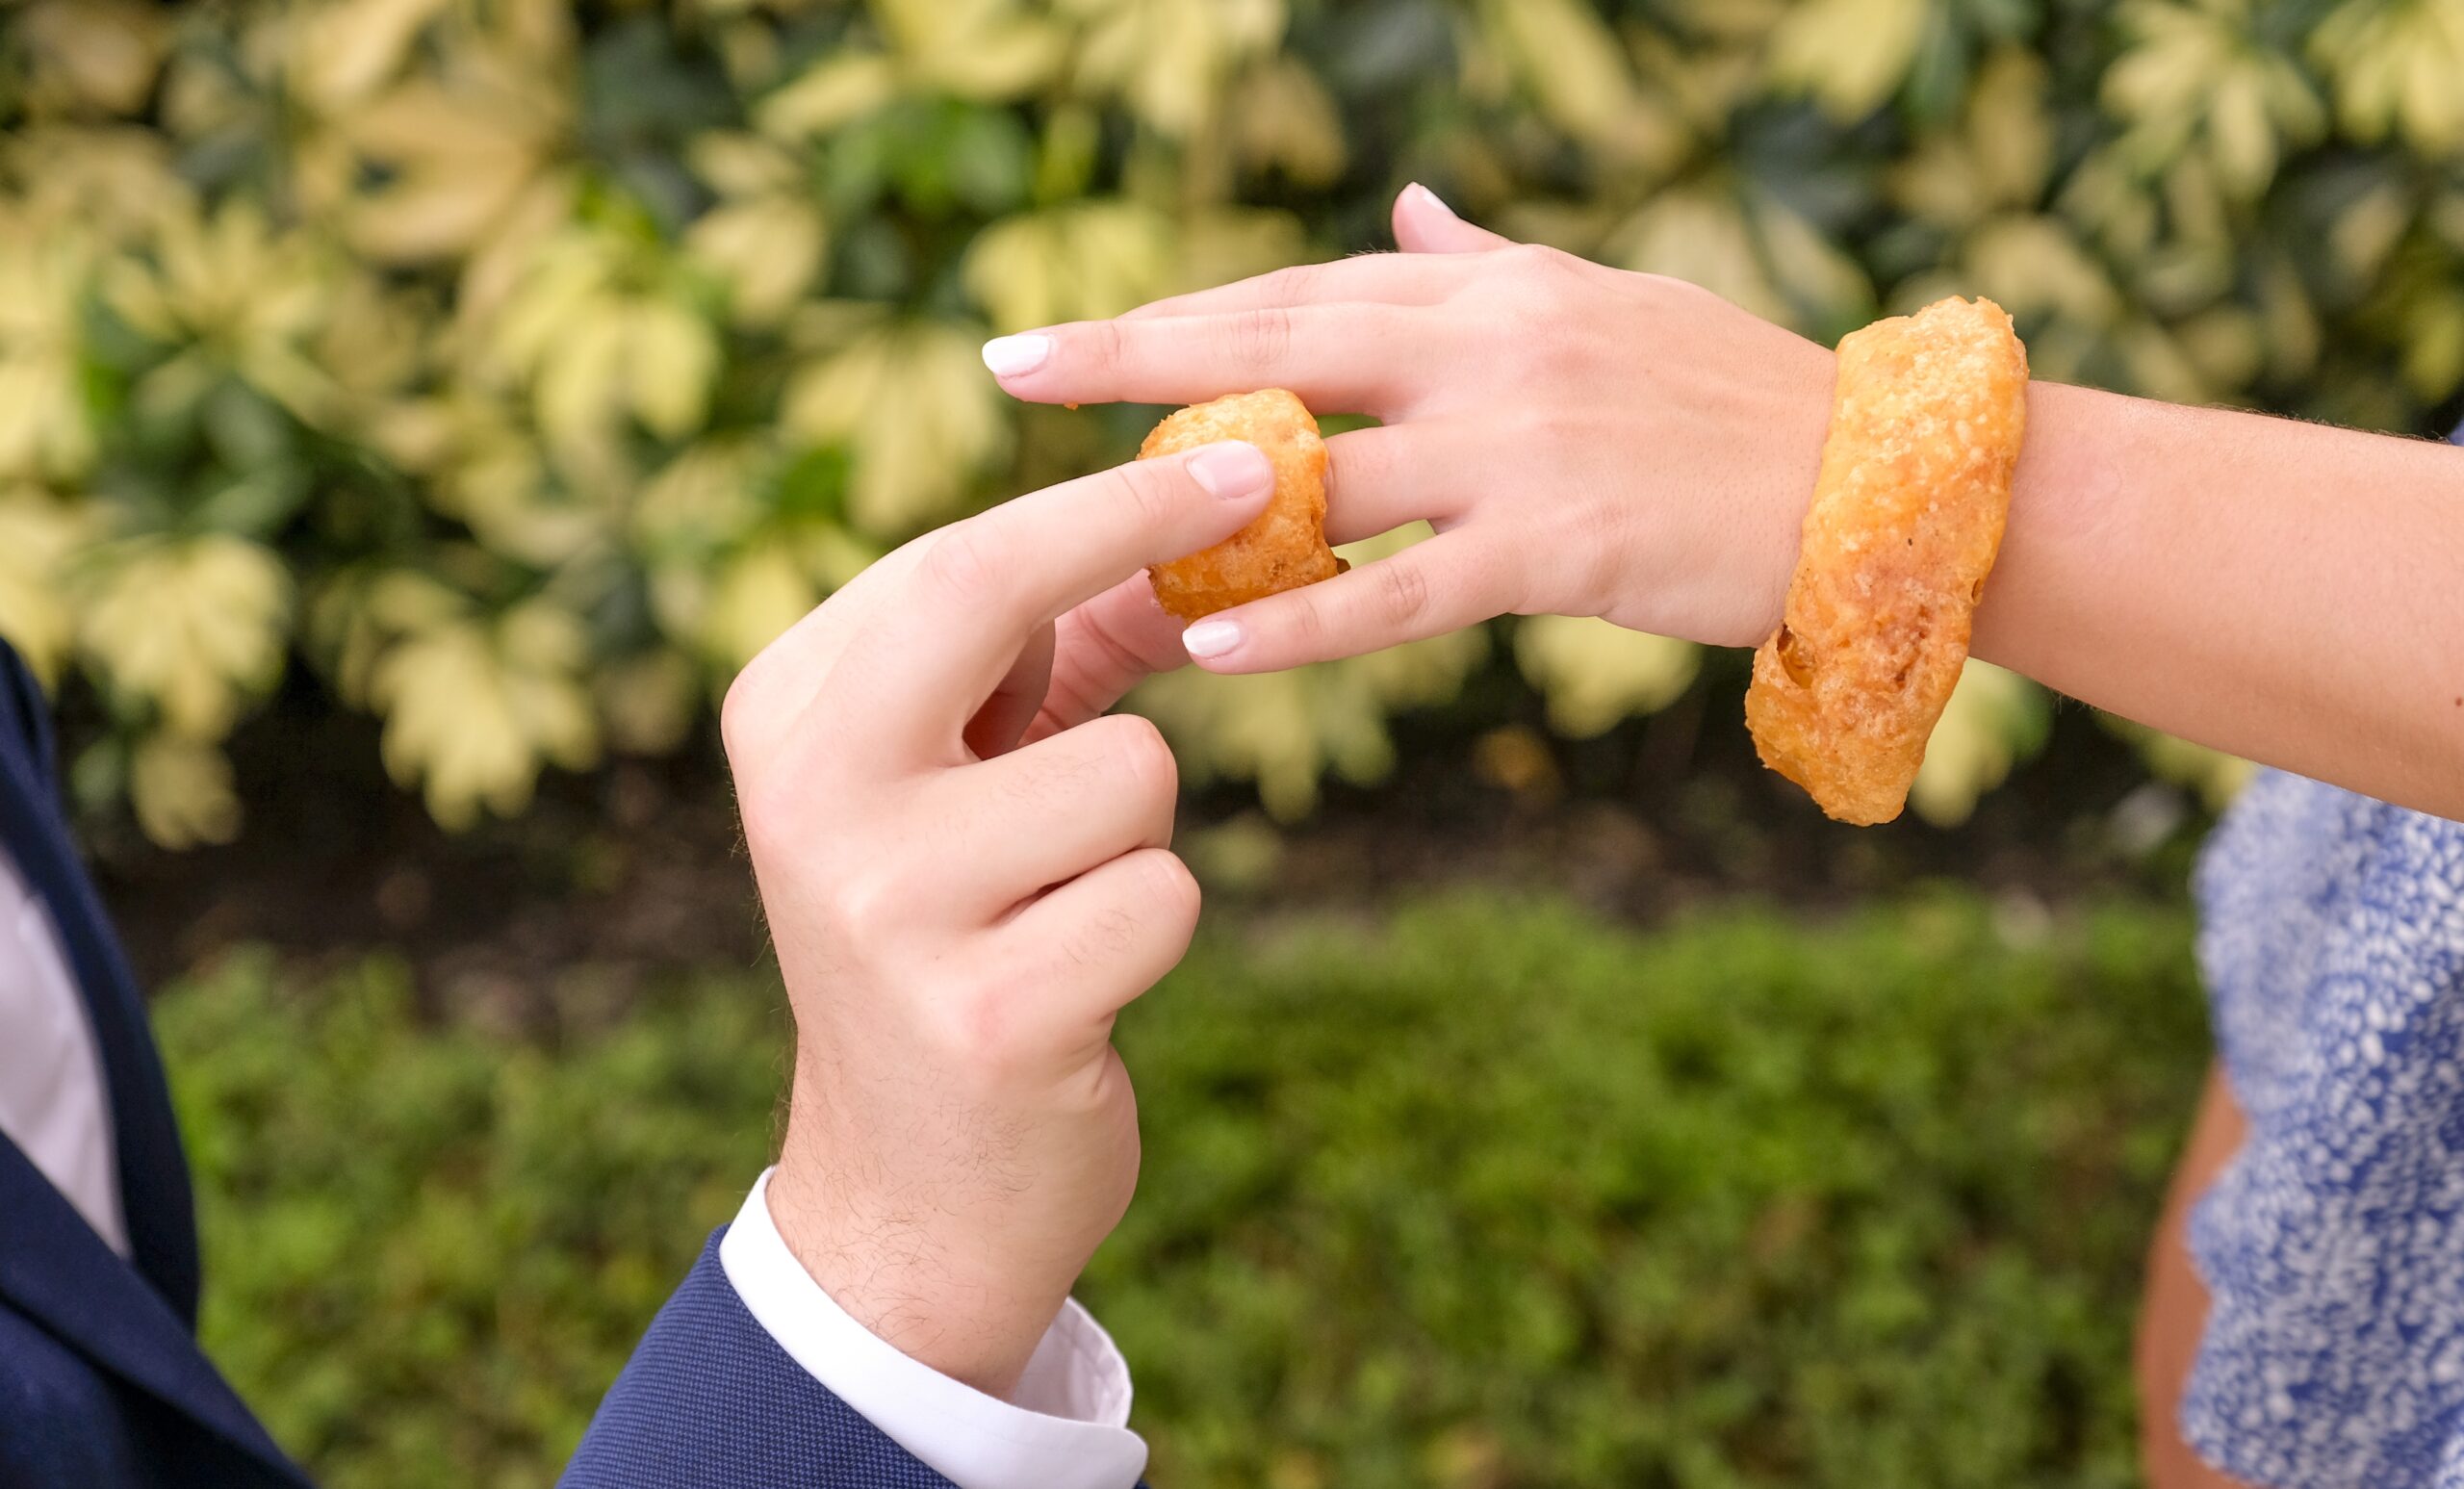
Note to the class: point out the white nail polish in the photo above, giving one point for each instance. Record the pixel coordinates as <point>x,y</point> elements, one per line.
<point>1211,638</point>
<point>1010,355</point>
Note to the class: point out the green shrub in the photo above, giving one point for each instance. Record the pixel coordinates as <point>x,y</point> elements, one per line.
<point>518,366</point>
<point>1485,1193</point>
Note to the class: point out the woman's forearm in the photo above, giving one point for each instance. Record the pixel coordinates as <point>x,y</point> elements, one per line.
<point>2287,592</point>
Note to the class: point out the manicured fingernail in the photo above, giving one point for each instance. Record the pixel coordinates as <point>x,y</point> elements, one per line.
<point>1430,197</point>
<point>1211,638</point>
<point>1010,355</point>
<point>1232,469</point>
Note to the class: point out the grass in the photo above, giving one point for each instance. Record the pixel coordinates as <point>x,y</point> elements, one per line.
<point>1488,1194</point>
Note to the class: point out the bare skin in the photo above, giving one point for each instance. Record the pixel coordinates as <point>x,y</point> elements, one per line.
<point>1588,440</point>
<point>968,874</point>
<point>1585,441</point>
<point>2172,1311</point>
<point>966,867</point>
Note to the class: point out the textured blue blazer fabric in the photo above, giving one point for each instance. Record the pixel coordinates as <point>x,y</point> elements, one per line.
<point>102,1385</point>
<point>703,1371</point>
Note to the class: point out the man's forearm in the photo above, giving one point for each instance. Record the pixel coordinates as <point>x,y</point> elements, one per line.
<point>2288,592</point>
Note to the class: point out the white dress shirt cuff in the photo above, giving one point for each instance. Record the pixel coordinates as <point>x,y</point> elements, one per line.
<point>1066,1428</point>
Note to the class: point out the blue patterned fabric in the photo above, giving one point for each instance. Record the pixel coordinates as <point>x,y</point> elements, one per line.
<point>710,1400</point>
<point>2332,941</point>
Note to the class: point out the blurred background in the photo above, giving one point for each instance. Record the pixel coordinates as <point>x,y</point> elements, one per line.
<point>413,411</point>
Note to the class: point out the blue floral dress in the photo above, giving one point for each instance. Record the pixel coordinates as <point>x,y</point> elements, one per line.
<point>2332,1245</point>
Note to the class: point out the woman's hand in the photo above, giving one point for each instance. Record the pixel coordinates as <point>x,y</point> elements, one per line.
<point>958,915</point>
<point>1589,441</point>
<point>1585,441</point>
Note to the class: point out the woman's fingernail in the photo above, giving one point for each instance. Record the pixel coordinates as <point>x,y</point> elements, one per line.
<point>1232,469</point>
<point>1430,197</point>
<point>1211,638</point>
<point>1010,355</point>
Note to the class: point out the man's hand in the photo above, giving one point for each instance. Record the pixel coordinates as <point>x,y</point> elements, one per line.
<point>960,915</point>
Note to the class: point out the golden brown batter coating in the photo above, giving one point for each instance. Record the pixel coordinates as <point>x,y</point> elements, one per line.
<point>1286,545</point>
<point>1906,517</point>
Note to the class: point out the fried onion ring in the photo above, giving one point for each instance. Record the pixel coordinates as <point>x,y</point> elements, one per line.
<point>1906,517</point>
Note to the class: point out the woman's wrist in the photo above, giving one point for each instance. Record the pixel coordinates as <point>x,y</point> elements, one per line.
<point>1795,464</point>
<point>1752,488</point>
<point>2070,513</point>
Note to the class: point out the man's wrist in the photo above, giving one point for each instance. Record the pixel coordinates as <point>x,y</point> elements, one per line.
<point>892,1269</point>
<point>1065,1427</point>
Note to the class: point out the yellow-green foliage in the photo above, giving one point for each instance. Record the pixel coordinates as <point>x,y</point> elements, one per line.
<point>1753,1204</point>
<point>518,368</point>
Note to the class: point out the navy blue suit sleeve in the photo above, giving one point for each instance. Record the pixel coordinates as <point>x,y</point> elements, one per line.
<point>24,710</point>
<point>710,1401</point>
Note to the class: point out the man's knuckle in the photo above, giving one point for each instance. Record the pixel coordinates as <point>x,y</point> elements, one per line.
<point>971,1028</point>
<point>739,715</point>
<point>765,814</point>
<point>864,897</point>
<point>1142,755</point>
<point>1103,937</point>
<point>1166,901</point>
<point>960,567</point>
<point>1040,777</point>
<point>1117,656</point>
<point>1172,887</point>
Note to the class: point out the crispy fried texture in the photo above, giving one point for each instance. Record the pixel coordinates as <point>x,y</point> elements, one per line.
<point>1906,517</point>
<point>1286,545</point>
